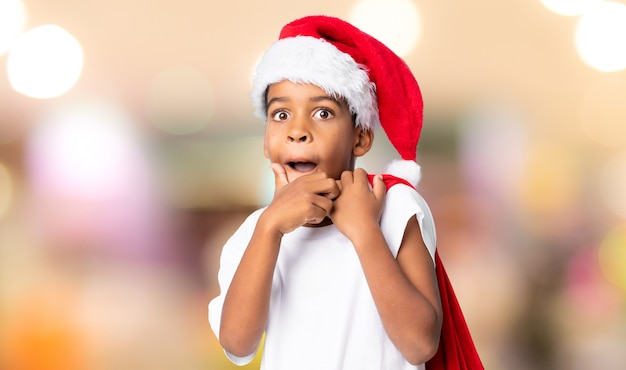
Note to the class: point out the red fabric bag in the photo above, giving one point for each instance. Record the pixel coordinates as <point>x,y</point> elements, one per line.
<point>456,347</point>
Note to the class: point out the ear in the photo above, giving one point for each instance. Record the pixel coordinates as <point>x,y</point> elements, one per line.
<point>363,140</point>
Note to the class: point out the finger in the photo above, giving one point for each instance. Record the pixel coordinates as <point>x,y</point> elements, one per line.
<point>280,175</point>
<point>379,187</point>
<point>360,176</point>
<point>331,192</point>
<point>334,190</point>
<point>323,205</point>
<point>324,186</point>
<point>347,178</point>
<point>339,186</point>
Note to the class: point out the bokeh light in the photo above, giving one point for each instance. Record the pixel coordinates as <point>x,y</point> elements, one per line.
<point>602,116</point>
<point>613,256</point>
<point>83,149</point>
<point>497,127</point>
<point>43,332</point>
<point>569,7</point>
<point>91,185</point>
<point>12,18</point>
<point>589,292</point>
<point>180,100</point>
<point>396,23</point>
<point>6,190</point>
<point>601,35</point>
<point>44,62</point>
<point>613,184</point>
<point>551,181</point>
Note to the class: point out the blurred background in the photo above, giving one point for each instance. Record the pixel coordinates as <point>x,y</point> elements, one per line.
<point>129,153</point>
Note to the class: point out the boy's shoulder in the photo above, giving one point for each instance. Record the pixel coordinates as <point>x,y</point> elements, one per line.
<point>401,203</point>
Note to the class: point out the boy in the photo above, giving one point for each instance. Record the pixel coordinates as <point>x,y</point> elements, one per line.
<point>337,273</point>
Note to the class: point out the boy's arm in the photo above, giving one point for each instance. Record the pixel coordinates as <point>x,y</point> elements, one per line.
<point>246,304</point>
<point>404,288</point>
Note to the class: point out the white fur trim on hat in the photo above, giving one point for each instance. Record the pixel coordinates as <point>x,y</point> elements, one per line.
<point>305,59</point>
<point>408,170</point>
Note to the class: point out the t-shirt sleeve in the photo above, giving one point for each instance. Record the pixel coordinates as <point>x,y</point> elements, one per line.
<point>229,261</point>
<point>401,203</point>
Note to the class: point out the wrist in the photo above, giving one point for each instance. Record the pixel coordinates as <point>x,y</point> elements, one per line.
<point>365,233</point>
<point>269,228</point>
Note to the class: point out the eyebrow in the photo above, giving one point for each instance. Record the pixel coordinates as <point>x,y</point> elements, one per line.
<point>277,99</point>
<point>314,99</point>
<point>324,98</point>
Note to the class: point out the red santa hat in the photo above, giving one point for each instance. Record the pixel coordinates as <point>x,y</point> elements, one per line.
<point>346,62</point>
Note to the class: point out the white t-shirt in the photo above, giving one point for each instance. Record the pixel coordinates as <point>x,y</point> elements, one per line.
<point>322,314</point>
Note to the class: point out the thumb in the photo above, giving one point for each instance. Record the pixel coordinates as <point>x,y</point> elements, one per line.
<point>280,175</point>
<point>379,188</point>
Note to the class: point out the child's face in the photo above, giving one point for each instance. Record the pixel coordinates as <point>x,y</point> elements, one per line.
<point>309,131</point>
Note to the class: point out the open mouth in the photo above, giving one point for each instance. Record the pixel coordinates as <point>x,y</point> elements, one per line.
<point>302,166</point>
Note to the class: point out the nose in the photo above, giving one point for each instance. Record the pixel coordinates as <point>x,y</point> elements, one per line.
<point>298,138</point>
<point>299,132</point>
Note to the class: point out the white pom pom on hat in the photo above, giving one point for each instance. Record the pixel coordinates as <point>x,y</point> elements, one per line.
<point>408,170</point>
<point>345,61</point>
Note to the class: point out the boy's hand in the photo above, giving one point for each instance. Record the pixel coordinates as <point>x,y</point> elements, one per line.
<point>360,206</point>
<point>306,200</point>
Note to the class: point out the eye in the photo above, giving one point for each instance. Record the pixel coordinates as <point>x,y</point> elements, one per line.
<point>324,114</point>
<point>280,115</point>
